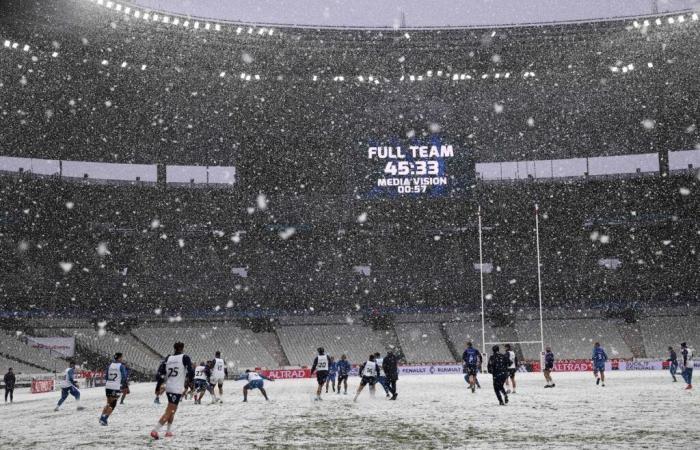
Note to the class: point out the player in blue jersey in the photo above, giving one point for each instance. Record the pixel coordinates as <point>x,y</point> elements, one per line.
<point>472,363</point>
<point>255,381</point>
<point>69,387</point>
<point>599,359</point>
<point>116,382</point>
<point>125,390</point>
<point>332,372</point>
<point>343,366</point>
<point>672,363</point>
<point>548,367</point>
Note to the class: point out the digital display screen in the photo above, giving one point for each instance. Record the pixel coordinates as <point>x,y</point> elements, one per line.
<point>415,167</point>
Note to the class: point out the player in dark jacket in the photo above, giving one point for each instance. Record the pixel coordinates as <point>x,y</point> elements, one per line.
<point>498,367</point>
<point>391,371</point>
<point>672,363</point>
<point>548,367</point>
<point>10,381</point>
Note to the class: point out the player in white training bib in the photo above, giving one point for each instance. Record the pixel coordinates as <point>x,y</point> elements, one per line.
<point>321,366</point>
<point>369,371</point>
<point>174,372</point>
<point>116,379</point>
<point>219,372</point>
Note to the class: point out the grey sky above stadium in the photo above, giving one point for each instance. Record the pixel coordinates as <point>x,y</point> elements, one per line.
<point>414,13</point>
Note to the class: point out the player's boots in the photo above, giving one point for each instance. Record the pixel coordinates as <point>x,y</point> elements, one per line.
<point>689,387</point>
<point>103,421</point>
<point>597,381</point>
<point>56,409</point>
<point>505,398</point>
<point>169,434</point>
<point>156,401</point>
<point>154,435</point>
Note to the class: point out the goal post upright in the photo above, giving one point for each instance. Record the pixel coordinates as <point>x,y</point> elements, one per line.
<point>481,282</point>
<point>539,272</point>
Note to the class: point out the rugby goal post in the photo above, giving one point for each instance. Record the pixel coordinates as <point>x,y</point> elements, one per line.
<point>484,343</point>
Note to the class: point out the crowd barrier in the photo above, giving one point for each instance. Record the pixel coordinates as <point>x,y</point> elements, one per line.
<point>565,365</point>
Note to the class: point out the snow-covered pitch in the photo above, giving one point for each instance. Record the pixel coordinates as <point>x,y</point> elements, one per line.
<point>634,410</point>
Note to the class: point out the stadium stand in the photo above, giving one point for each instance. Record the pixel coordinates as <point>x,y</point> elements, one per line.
<point>356,341</point>
<point>12,346</point>
<point>18,367</point>
<point>136,355</point>
<point>423,342</point>
<point>608,237</point>
<point>574,339</point>
<point>240,348</point>
<point>660,332</point>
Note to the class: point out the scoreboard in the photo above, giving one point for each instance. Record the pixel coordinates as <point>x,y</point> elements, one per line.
<point>429,167</point>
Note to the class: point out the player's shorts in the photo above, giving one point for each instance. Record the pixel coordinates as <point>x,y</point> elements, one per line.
<point>549,367</point>
<point>201,385</point>
<point>368,380</point>
<point>599,368</point>
<point>331,376</point>
<point>111,393</point>
<point>173,398</point>
<point>217,381</point>
<point>321,376</point>
<point>254,384</point>
<point>511,372</point>
<point>342,377</point>
<point>471,371</point>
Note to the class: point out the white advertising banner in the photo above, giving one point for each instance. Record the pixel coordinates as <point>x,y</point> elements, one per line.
<point>444,369</point>
<point>64,346</point>
<point>641,365</point>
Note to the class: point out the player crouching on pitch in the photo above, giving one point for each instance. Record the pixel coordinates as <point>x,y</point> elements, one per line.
<point>255,381</point>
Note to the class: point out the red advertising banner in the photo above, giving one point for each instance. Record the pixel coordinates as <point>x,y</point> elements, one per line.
<point>577,365</point>
<point>287,374</point>
<point>39,386</point>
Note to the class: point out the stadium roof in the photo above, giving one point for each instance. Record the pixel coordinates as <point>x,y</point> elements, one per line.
<point>414,13</point>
